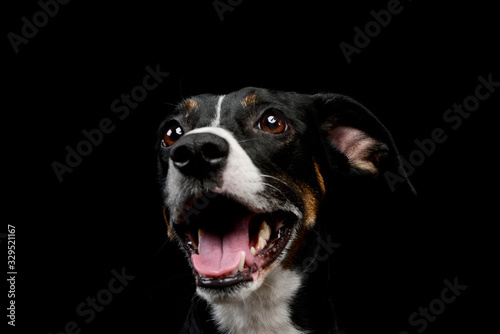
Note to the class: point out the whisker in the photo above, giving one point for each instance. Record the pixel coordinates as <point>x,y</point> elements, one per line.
<point>264,283</point>
<point>286,184</point>
<point>271,186</point>
<point>161,247</point>
<point>180,86</point>
<point>275,178</point>
<point>245,140</point>
<point>310,265</point>
<point>170,104</point>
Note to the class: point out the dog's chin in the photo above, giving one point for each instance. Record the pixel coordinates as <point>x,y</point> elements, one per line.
<point>231,247</point>
<point>234,293</point>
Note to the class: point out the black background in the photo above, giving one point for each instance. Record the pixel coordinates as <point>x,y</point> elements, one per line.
<point>106,214</point>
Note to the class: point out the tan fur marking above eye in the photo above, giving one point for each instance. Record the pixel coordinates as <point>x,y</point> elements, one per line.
<point>249,101</point>
<point>189,105</point>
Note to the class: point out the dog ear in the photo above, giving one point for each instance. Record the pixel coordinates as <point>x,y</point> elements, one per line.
<point>351,129</point>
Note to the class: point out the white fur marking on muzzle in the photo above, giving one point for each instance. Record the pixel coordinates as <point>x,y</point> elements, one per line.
<point>241,179</point>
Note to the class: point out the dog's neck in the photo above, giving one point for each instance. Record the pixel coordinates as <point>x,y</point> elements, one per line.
<point>266,310</point>
<point>289,301</point>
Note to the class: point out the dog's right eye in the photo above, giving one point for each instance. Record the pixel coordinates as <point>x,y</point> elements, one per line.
<point>173,133</point>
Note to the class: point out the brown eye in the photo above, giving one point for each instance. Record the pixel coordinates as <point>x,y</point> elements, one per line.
<point>271,122</point>
<point>173,133</point>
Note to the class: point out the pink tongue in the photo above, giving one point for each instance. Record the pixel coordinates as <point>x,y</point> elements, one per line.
<point>220,255</point>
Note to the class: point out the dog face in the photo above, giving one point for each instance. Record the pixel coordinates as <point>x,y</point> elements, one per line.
<point>244,174</point>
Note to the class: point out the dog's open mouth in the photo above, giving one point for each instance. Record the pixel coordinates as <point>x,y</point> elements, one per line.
<point>229,244</point>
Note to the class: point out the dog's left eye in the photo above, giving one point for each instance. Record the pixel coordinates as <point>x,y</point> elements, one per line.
<point>272,122</point>
<point>173,133</point>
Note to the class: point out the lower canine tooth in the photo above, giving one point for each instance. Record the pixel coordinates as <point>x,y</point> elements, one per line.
<point>242,261</point>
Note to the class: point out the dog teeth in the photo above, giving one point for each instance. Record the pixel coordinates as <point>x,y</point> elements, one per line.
<point>200,232</point>
<point>260,244</point>
<point>242,261</point>
<point>241,266</point>
<point>263,237</point>
<point>264,231</point>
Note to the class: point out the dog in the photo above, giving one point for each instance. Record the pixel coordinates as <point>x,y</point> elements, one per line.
<point>248,179</point>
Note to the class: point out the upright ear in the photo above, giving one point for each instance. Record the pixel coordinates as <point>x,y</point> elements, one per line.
<point>351,129</point>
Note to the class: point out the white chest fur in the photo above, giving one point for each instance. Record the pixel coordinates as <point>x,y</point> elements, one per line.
<point>265,311</point>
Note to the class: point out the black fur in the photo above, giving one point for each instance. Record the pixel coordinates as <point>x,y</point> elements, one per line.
<point>291,156</point>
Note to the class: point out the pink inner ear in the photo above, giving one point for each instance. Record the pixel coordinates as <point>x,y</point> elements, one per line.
<point>353,142</point>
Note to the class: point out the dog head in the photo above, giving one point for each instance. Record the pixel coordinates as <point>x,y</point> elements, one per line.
<point>244,175</point>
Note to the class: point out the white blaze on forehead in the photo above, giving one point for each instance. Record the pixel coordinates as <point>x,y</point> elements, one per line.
<point>218,108</point>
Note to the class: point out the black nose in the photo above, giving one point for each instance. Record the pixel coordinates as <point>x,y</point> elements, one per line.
<point>200,154</point>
